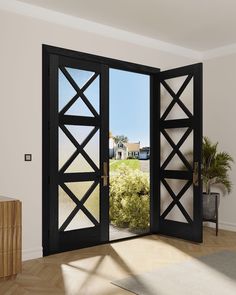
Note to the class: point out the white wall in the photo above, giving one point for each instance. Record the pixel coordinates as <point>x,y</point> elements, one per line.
<point>220,121</point>
<point>21,104</point>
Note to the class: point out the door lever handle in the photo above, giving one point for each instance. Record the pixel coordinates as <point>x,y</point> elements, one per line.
<point>105,174</point>
<point>195,173</point>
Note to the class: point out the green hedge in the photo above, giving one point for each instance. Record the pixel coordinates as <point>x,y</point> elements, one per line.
<point>129,198</point>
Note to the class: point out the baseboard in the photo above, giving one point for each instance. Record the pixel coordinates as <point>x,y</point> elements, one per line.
<point>32,253</point>
<point>223,225</point>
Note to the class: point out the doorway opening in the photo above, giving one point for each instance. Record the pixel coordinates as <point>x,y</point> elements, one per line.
<point>104,166</point>
<point>129,154</point>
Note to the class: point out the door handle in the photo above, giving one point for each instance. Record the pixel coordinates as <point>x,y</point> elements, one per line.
<point>105,174</point>
<point>195,173</point>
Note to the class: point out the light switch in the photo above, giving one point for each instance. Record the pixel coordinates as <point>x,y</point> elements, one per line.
<point>28,157</point>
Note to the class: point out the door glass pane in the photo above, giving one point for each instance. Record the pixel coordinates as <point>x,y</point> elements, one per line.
<point>79,165</point>
<point>92,203</point>
<point>66,148</point>
<point>176,133</point>
<point>92,93</point>
<point>166,99</point>
<point>80,133</point>
<point>166,199</point>
<point>176,215</point>
<point>67,205</point>
<point>65,91</point>
<point>186,200</point>
<point>92,148</point>
<point>79,108</point>
<point>176,163</point>
<point>187,96</point>
<point>129,152</point>
<point>177,112</point>
<point>80,76</point>
<point>176,83</point>
<point>187,149</point>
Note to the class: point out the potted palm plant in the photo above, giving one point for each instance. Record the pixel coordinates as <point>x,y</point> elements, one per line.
<point>215,168</point>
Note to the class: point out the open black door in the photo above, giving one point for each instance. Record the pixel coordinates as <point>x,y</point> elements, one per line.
<point>179,131</point>
<point>75,152</point>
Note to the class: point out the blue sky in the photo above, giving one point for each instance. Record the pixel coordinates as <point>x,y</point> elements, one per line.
<point>129,105</point>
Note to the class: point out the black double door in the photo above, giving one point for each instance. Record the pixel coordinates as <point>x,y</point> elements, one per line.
<point>178,189</point>
<point>76,150</point>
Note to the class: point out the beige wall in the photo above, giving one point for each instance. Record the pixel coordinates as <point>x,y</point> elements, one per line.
<point>21,104</point>
<point>220,121</point>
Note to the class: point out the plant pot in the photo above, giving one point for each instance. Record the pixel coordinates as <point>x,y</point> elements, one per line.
<point>209,205</point>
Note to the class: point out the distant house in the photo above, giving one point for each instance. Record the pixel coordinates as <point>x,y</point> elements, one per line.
<point>123,150</point>
<point>120,151</point>
<point>133,149</point>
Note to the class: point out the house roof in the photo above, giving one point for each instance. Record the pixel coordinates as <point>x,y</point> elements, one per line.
<point>133,146</point>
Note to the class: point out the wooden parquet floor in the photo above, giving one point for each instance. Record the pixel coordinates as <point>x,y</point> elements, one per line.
<point>90,271</point>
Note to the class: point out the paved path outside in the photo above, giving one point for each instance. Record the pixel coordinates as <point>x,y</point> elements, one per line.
<point>120,233</point>
<point>145,165</point>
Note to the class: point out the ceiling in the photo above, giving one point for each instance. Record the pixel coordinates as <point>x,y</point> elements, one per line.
<point>195,24</point>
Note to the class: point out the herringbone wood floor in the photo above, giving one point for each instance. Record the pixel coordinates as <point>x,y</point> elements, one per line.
<point>90,271</point>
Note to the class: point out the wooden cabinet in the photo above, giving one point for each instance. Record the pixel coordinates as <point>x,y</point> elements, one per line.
<point>10,237</point>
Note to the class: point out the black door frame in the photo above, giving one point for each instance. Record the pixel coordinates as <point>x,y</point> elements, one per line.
<point>154,146</point>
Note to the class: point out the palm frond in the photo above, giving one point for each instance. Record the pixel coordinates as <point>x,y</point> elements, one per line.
<point>215,165</point>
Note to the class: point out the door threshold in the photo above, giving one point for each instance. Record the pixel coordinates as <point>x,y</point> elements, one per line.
<point>98,244</point>
<point>130,238</point>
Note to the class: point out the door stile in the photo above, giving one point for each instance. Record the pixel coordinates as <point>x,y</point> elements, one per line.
<point>104,153</point>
